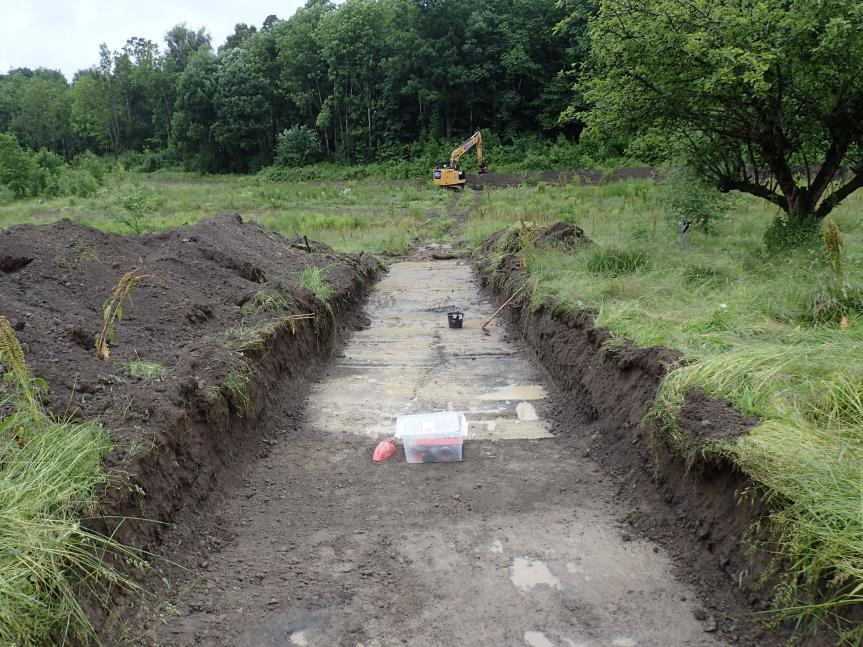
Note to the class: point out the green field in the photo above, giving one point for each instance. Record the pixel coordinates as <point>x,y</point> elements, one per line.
<point>372,214</point>
<point>747,323</point>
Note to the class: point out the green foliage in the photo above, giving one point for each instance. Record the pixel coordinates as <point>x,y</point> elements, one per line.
<point>145,370</point>
<point>133,207</point>
<point>689,197</point>
<point>742,319</point>
<point>835,299</point>
<point>50,470</point>
<point>751,92</point>
<point>17,169</point>
<point>314,280</point>
<point>786,233</point>
<point>613,261</point>
<point>297,146</point>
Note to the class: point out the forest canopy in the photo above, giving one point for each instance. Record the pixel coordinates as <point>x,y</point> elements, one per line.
<point>367,76</point>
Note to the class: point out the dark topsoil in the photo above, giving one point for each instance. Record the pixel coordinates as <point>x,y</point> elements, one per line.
<point>493,179</point>
<point>172,437</point>
<point>699,510</point>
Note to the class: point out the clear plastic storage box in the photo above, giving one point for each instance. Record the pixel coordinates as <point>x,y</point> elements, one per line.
<point>432,437</point>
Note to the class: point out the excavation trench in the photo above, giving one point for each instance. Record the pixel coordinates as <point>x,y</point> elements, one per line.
<point>525,542</point>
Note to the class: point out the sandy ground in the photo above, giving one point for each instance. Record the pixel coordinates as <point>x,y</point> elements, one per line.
<point>523,543</point>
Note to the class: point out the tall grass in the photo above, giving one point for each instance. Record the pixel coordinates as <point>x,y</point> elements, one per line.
<point>352,215</point>
<point>49,472</point>
<point>744,320</point>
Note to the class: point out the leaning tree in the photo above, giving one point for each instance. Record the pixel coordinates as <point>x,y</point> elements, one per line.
<point>765,96</point>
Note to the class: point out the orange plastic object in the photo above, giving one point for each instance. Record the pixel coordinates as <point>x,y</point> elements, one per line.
<point>384,450</point>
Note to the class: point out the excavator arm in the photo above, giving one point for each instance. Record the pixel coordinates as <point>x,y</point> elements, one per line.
<point>474,140</point>
<point>449,175</point>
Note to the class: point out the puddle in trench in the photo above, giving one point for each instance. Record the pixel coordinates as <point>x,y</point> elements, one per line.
<point>516,392</point>
<point>537,639</point>
<point>525,411</point>
<point>526,574</point>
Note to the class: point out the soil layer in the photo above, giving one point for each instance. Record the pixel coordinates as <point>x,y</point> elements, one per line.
<point>198,315</point>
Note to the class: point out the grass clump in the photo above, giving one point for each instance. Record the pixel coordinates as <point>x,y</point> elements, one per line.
<point>145,370</point>
<point>613,261</point>
<point>314,280</point>
<point>49,472</point>
<point>268,300</point>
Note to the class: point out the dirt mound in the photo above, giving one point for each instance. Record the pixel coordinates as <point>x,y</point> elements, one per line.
<point>214,314</point>
<point>559,233</point>
<point>500,180</point>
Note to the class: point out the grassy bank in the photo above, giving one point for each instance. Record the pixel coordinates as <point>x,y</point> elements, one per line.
<point>49,471</point>
<point>747,323</point>
<point>373,215</point>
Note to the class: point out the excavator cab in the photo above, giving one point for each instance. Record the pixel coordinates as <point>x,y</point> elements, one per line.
<point>447,174</point>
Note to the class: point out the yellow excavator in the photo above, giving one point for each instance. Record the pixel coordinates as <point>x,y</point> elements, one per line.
<point>447,174</point>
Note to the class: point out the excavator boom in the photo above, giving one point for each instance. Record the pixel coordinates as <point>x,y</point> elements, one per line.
<point>449,175</point>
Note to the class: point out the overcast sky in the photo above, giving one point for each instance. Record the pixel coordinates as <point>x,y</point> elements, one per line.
<point>65,34</point>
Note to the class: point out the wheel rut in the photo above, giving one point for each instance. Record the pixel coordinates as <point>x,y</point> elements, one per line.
<point>520,544</point>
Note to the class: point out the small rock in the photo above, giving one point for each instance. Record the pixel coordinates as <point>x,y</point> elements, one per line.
<point>700,614</point>
<point>706,423</point>
<point>710,625</point>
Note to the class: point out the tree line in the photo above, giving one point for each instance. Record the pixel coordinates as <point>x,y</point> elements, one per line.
<point>763,97</point>
<point>366,77</point>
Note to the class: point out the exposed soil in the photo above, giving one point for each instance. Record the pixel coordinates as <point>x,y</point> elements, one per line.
<point>173,436</point>
<point>698,510</point>
<point>493,179</point>
<point>522,543</point>
<point>551,530</point>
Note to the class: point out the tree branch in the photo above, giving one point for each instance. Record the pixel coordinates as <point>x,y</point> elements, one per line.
<point>829,203</point>
<point>727,184</point>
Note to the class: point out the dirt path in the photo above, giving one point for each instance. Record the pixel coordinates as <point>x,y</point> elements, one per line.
<point>521,544</point>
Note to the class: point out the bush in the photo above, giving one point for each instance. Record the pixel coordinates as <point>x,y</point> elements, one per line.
<point>297,146</point>
<point>688,197</point>
<point>17,169</point>
<point>786,233</point>
<point>48,171</point>
<point>133,207</point>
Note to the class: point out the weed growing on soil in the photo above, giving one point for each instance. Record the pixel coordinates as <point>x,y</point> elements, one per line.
<point>145,370</point>
<point>236,385</point>
<point>277,301</point>
<point>743,318</point>
<point>113,310</point>
<point>312,278</point>
<point>49,470</point>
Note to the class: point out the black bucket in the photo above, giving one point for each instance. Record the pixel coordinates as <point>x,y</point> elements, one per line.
<point>456,319</point>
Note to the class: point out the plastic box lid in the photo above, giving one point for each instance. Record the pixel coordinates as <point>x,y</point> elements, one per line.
<point>444,424</point>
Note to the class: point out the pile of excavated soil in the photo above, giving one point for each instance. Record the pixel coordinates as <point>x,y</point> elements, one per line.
<point>172,435</point>
<point>699,510</point>
<point>499,180</point>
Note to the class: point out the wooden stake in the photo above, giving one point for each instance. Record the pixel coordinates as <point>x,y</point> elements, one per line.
<point>498,311</point>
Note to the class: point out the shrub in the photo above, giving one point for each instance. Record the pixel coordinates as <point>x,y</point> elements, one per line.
<point>297,146</point>
<point>133,207</point>
<point>17,169</point>
<point>786,233</point>
<point>688,197</point>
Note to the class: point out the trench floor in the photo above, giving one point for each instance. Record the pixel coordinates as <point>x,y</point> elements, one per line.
<point>522,543</point>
